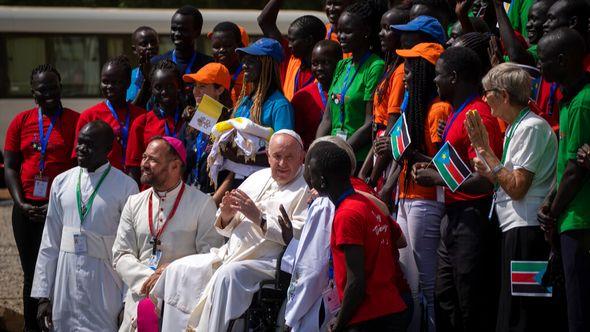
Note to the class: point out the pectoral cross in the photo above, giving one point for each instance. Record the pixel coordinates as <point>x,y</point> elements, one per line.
<point>155,243</point>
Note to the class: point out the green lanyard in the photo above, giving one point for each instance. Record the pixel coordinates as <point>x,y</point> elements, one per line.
<point>84,208</point>
<point>511,130</point>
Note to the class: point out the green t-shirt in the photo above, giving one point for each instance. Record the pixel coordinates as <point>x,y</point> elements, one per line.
<point>518,14</point>
<point>574,130</point>
<point>360,91</point>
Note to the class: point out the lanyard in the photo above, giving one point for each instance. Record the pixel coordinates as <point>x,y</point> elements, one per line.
<point>295,89</point>
<point>235,76</point>
<point>187,69</point>
<point>199,148</point>
<point>511,130</point>
<point>136,78</point>
<point>44,138</point>
<point>342,197</point>
<point>323,96</point>
<point>165,117</point>
<point>84,208</point>
<point>347,84</point>
<point>405,101</point>
<point>329,32</point>
<point>552,90</point>
<point>156,235</point>
<point>454,117</point>
<point>124,127</point>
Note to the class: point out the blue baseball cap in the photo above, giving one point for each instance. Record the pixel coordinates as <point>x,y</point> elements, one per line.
<point>264,46</point>
<point>425,24</point>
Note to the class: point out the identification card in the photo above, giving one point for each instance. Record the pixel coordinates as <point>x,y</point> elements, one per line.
<point>342,134</point>
<point>155,260</point>
<point>80,244</point>
<point>41,185</point>
<point>331,298</point>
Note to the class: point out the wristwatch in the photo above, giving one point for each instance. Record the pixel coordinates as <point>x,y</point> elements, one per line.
<point>497,169</point>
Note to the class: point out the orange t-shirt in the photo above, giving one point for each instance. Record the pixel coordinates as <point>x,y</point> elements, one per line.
<point>439,110</point>
<point>391,99</point>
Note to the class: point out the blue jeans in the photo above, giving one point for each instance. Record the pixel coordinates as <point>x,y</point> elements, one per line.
<point>420,220</point>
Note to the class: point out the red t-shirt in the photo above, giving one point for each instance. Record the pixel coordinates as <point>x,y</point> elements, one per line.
<point>457,136</point>
<point>101,111</point>
<point>143,129</point>
<point>309,109</point>
<point>357,221</point>
<point>547,105</point>
<point>23,133</point>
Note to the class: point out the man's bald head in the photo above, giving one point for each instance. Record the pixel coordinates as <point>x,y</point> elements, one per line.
<point>285,156</point>
<point>561,54</point>
<point>95,141</point>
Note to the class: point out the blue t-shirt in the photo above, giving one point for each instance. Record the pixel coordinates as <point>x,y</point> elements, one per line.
<point>277,112</point>
<point>136,82</point>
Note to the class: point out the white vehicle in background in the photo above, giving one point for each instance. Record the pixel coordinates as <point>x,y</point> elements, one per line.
<point>79,40</point>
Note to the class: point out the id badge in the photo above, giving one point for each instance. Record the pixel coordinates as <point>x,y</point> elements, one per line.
<point>155,260</point>
<point>342,134</point>
<point>41,185</point>
<point>80,244</point>
<point>331,298</point>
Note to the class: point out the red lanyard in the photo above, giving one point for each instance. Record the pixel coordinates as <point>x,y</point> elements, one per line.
<point>170,216</point>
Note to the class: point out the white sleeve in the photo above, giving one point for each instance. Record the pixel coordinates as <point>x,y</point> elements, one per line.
<point>527,147</point>
<point>126,253</point>
<point>297,211</point>
<point>207,236</point>
<point>46,266</point>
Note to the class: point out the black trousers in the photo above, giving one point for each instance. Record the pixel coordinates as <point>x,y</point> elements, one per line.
<point>389,323</point>
<point>575,253</point>
<point>523,313</point>
<point>27,235</point>
<point>466,291</point>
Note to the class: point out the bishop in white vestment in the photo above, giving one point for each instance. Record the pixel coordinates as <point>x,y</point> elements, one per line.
<point>74,270</point>
<point>207,291</point>
<point>182,223</point>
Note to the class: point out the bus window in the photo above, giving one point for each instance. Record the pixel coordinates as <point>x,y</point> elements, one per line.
<point>78,60</point>
<point>23,54</point>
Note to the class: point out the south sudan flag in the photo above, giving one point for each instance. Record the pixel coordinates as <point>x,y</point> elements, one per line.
<point>526,276</point>
<point>400,137</point>
<point>450,166</point>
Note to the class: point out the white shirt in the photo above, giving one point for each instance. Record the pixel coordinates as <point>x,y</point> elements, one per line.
<point>533,147</point>
<point>86,292</point>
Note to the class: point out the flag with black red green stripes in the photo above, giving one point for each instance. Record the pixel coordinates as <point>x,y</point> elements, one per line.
<point>525,278</point>
<point>450,166</point>
<point>400,137</point>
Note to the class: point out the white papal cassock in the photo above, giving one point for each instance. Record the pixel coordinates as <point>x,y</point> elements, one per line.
<point>190,231</point>
<point>86,292</point>
<point>210,290</point>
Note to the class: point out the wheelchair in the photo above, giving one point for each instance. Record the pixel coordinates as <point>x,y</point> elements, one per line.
<point>266,312</point>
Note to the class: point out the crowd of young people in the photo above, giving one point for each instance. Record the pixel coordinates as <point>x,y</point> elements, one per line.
<point>377,238</point>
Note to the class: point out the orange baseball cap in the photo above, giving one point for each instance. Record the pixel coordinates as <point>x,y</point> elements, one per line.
<point>428,51</point>
<point>211,73</point>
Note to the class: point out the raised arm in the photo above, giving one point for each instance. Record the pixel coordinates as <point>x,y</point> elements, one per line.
<point>516,52</point>
<point>267,20</point>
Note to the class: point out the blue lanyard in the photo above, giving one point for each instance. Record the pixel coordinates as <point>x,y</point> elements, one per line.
<point>189,66</point>
<point>199,148</point>
<point>323,96</point>
<point>237,73</point>
<point>348,82</point>
<point>405,101</point>
<point>454,117</point>
<point>329,32</point>
<point>166,128</point>
<point>552,91</point>
<point>295,89</point>
<point>124,128</point>
<point>44,137</point>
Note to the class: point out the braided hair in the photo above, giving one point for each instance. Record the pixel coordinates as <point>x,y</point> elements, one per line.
<point>270,80</point>
<point>370,12</point>
<point>231,28</point>
<point>310,25</point>
<point>421,89</point>
<point>123,62</point>
<point>44,68</point>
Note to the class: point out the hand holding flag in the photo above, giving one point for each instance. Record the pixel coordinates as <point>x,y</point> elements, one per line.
<point>400,137</point>
<point>450,166</point>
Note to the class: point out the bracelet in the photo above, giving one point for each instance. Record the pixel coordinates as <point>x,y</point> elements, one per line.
<point>262,221</point>
<point>497,169</point>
